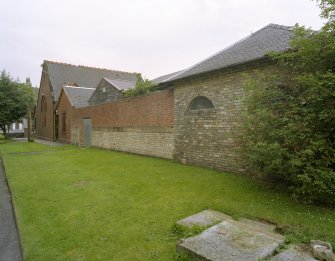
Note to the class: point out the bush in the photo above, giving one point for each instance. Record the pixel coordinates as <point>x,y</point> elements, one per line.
<point>142,86</point>
<point>289,118</point>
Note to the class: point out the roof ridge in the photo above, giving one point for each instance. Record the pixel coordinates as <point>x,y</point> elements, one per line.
<point>78,87</point>
<point>123,80</point>
<point>279,26</point>
<point>88,67</point>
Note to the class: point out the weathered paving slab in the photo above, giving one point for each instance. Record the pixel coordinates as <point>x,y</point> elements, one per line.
<point>260,225</point>
<point>204,218</point>
<point>295,253</point>
<point>231,240</point>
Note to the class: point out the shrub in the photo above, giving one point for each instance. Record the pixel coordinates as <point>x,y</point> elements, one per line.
<point>289,117</point>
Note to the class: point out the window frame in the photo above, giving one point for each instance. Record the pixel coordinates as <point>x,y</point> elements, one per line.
<point>193,100</point>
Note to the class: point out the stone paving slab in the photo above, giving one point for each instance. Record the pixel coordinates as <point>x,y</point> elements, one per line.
<point>231,240</point>
<point>260,225</point>
<point>295,253</point>
<point>204,218</point>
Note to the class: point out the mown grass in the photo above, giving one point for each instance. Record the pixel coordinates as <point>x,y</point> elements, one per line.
<point>89,204</point>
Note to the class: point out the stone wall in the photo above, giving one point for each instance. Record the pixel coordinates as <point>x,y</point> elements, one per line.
<point>142,125</point>
<point>208,137</point>
<point>150,141</point>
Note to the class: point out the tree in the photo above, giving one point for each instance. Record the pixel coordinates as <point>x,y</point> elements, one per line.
<point>289,118</point>
<point>142,86</point>
<point>15,100</point>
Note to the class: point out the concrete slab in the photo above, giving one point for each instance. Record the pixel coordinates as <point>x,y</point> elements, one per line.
<point>295,253</point>
<point>231,240</point>
<point>260,225</point>
<point>204,218</point>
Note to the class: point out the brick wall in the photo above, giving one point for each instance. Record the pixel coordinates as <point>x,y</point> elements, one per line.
<point>64,108</point>
<point>142,125</point>
<point>44,114</point>
<point>208,137</point>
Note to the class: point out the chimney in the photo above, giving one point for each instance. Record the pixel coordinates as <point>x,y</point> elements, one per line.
<point>28,82</point>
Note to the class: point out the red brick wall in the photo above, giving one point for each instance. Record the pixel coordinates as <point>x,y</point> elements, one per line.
<point>44,120</point>
<point>151,110</point>
<point>64,106</point>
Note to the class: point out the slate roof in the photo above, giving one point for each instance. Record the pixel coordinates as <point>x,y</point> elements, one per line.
<point>122,84</point>
<point>79,96</point>
<point>256,46</point>
<point>166,77</point>
<point>62,73</point>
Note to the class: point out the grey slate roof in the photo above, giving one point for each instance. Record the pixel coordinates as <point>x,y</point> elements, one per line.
<point>79,96</point>
<point>256,46</point>
<point>62,73</point>
<point>122,84</point>
<point>166,77</point>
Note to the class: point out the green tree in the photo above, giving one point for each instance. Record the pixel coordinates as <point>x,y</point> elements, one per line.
<point>142,86</point>
<point>289,118</point>
<point>15,100</point>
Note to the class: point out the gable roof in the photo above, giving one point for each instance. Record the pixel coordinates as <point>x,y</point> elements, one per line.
<point>62,73</point>
<point>122,84</point>
<point>78,96</point>
<point>256,46</point>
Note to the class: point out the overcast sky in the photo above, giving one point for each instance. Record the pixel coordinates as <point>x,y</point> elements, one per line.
<point>153,37</point>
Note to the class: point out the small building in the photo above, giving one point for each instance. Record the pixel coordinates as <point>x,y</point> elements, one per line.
<point>71,97</point>
<point>54,76</point>
<point>110,90</point>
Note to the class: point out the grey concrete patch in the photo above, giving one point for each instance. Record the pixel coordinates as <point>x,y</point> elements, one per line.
<point>295,253</point>
<point>204,218</point>
<point>21,139</point>
<point>231,240</point>
<point>49,143</point>
<point>10,248</point>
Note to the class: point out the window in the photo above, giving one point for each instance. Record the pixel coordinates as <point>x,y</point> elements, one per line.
<point>201,103</point>
<point>44,108</point>
<point>42,102</point>
<point>63,121</point>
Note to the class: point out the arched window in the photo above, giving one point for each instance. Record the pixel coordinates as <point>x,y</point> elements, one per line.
<point>201,103</point>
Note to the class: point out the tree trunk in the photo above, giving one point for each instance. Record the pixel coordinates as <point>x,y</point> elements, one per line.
<point>4,131</point>
<point>30,137</point>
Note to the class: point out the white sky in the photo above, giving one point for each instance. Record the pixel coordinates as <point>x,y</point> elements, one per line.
<point>153,37</point>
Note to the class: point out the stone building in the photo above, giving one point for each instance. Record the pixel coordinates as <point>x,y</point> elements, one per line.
<point>208,96</point>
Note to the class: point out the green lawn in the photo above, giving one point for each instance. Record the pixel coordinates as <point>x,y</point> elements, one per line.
<point>89,204</point>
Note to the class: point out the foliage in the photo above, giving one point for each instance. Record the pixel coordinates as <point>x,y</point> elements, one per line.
<point>289,122</point>
<point>142,86</point>
<point>117,198</point>
<point>15,100</point>
<point>183,231</point>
